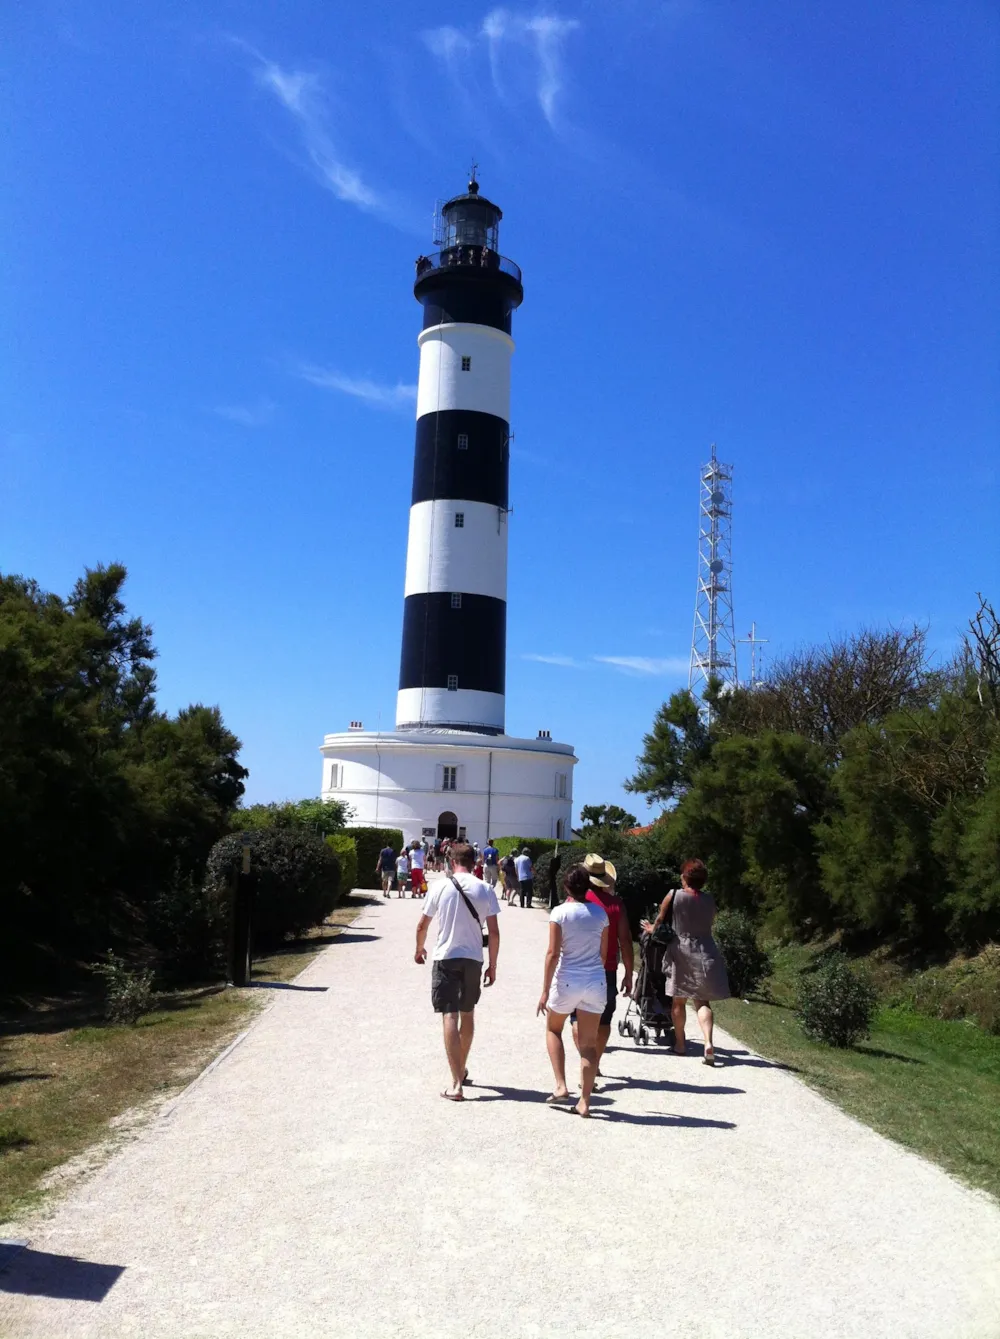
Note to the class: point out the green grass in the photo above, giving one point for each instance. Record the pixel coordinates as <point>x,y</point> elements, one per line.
<point>65,1074</point>
<point>930,1084</point>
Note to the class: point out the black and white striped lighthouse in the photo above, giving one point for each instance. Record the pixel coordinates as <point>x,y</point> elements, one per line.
<point>453,661</point>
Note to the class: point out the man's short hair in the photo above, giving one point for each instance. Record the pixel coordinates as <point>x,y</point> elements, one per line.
<point>462,854</point>
<point>525,851</point>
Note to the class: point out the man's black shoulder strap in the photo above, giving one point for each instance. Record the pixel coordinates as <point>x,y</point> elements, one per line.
<point>465,899</point>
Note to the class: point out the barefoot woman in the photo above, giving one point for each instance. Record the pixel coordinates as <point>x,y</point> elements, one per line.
<point>574,979</point>
<point>695,969</point>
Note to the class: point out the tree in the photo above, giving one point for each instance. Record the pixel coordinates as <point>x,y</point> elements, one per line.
<point>823,692</point>
<point>102,796</point>
<point>751,812</point>
<point>678,744</point>
<point>592,815</point>
<point>910,850</point>
<point>316,815</point>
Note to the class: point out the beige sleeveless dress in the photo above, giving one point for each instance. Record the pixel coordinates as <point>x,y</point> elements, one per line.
<point>697,969</point>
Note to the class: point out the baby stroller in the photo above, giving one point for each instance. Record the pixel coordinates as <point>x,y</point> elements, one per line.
<point>648,1010</point>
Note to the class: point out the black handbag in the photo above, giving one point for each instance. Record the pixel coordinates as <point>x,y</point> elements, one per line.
<point>664,935</point>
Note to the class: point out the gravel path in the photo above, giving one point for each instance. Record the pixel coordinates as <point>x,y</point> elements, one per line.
<point>314,1184</point>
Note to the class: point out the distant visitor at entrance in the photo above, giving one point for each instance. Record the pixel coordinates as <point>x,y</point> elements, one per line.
<point>448,825</point>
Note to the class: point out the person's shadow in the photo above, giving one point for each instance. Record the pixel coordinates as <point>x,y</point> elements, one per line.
<point>41,1274</point>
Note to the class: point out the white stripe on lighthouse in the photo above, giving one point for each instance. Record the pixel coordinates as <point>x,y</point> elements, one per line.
<point>442,382</point>
<point>442,707</point>
<point>441,556</point>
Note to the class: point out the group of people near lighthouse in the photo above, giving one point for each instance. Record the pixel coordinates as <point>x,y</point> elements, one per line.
<point>514,874</point>
<point>589,937</point>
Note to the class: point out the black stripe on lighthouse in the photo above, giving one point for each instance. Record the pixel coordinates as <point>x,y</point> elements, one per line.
<point>461,453</point>
<point>445,646</point>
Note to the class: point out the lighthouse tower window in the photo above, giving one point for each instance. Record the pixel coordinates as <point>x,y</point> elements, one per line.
<point>452,683</point>
<point>456,600</point>
<point>449,778</point>
<point>459,520</point>
<point>463,441</point>
<point>466,363</point>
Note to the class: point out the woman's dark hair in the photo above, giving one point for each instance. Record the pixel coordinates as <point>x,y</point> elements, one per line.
<point>694,873</point>
<point>576,882</point>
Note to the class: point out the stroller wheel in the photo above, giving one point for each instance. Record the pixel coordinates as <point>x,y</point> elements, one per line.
<point>644,1036</point>
<point>622,1027</point>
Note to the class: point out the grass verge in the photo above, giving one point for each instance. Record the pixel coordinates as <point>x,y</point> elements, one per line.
<point>66,1076</point>
<point>930,1084</point>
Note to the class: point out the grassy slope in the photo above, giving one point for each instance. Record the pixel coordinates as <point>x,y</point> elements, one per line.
<point>64,1074</point>
<point>930,1084</point>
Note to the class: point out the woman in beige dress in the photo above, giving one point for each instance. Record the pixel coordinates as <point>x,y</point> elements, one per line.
<point>694,965</point>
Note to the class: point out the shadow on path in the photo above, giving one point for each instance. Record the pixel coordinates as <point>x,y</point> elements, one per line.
<point>685,1122</point>
<point>39,1274</point>
<point>353,937</point>
<point>666,1086</point>
<point>282,985</point>
<point>21,1076</point>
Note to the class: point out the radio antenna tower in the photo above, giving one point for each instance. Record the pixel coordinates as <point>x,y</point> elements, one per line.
<point>713,643</point>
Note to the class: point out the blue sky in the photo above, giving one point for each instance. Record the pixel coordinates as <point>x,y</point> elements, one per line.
<point>771,225</point>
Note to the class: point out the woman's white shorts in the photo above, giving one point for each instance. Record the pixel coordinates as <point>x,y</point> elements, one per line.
<point>590,996</point>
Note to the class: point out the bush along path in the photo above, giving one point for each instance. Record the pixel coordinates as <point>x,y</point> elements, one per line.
<point>297,1188</point>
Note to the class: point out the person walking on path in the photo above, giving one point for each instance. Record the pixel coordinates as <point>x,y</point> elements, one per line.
<point>525,876</point>
<point>461,904</point>
<point>574,980</point>
<point>491,864</point>
<point>418,882</point>
<point>402,872</point>
<point>386,868</point>
<point>508,872</point>
<point>603,876</point>
<point>695,967</point>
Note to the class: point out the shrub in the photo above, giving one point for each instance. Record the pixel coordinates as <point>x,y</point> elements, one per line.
<point>128,990</point>
<point>347,853</point>
<point>570,853</point>
<point>368,842</point>
<point>188,927</point>
<point>537,846</point>
<point>837,1002</point>
<point>747,963</point>
<point>295,880</point>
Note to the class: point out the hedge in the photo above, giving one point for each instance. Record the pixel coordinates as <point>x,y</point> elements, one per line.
<point>347,853</point>
<point>640,886</point>
<point>369,842</point>
<point>295,879</point>
<point>537,846</point>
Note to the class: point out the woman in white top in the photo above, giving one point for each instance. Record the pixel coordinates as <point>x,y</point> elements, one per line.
<point>574,979</point>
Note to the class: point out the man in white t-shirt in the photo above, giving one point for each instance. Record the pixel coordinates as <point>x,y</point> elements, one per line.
<point>418,882</point>
<point>461,903</point>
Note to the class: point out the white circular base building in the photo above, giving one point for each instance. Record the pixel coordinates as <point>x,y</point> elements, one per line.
<point>451,783</point>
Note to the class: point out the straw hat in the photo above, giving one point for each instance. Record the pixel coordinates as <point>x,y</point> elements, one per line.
<point>602,872</point>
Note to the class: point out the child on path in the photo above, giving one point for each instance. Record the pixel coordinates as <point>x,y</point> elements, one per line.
<point>402,872</point>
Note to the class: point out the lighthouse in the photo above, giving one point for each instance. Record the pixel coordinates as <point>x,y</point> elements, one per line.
<point>453,659</point>
<point>449,769</point>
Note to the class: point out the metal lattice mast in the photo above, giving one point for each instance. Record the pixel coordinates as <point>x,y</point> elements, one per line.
<point>713,642</point>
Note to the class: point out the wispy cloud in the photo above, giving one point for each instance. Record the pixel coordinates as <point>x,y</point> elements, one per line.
<point>646,665</point>
<point>549,33</point>
<point>376,393</point>
<point>247,415</point>
<point>504,35</point>
<point>301,94</point>
<point>565,662</point>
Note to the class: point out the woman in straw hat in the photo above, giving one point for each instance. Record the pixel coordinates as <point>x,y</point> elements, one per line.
<point>695,968</point>
<point>574,980</point>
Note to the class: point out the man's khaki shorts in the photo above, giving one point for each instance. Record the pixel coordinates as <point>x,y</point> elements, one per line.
<point>456,985</point>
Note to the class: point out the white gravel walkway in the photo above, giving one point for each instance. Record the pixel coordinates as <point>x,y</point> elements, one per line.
<point>314,1184</point>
